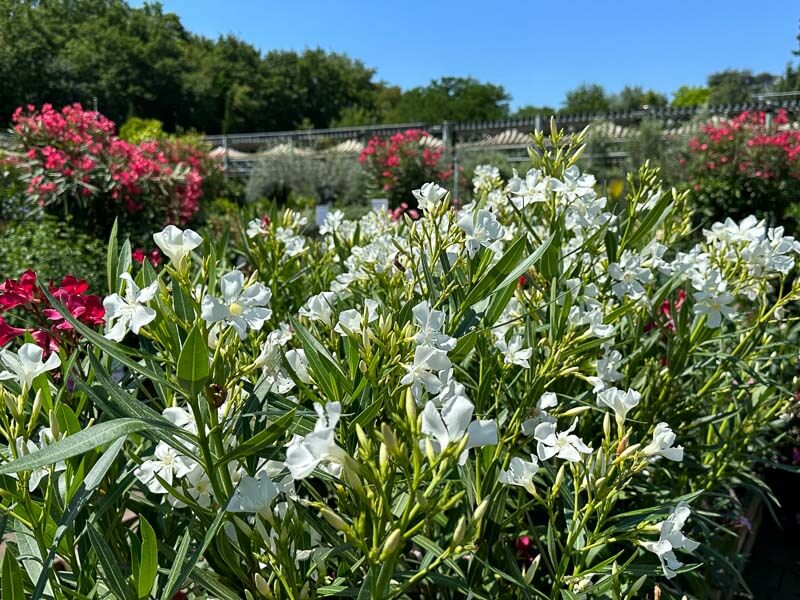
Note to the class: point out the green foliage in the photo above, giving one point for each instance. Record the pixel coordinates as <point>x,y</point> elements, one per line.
<point>53,249</point>
<point>327,176</point>
<point>136,130</point>
<point>586,99</point>
<point>637,98</point>
<point>737,87</point>
<point>450,99</point>
<point>530,111</point>
<point>687,95</point>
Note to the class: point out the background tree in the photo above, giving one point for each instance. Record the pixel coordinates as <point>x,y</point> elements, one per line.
<point>529,111</point>
<point>736,87</point>
<point>586,99</point>
<point>690,96</point>
<point>450,99</point>
<point>636,97</point>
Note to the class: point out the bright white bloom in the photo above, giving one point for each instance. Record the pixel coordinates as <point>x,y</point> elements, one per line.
<point>618,401</point>
<point>429,196</point>
<point>485,176</point>
<point>332,223</point>
<point>177,243</point>
<point>254,494</point>
<point>269,358</point>
<point>424,373</point>
<point>181,418</point>
<point>304,454</point>
<point>257,227</point>
<point>748,230</point>
<point>453,423</point>
<point>663,444</point>
<point>242,308</point>
<point>714,301</point>
<point>559,444</point>
<point>520,472</point>
<point>671,539</point>
<point>533,189</point>
<point>352,321</point>
<point>299,363</point>
<point>482,229</point>
<point>514,353</point>
<point>199,486</point>
<point>629,275</point>
<point>430,323</point>
<point>319,307</point>
<point>128,313</point>
<point>166,464</point>
<point>26,364</point>
<point>547,400</point>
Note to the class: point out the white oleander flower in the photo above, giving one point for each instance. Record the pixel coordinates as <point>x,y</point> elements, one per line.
<point>332,223</point>
<point>177,243</point>
<point>520,472</point>
<point>242,308</point>
<point>299,363</point>
<point>304,454</point>
<point>352,321</point>
<point>715,302</point>
<point>514,353</point>
<point>25,447</point>
<point>199,486</point>
<point>319,308</point>
<point>26,364</point>
<point>429,196</point>
<point>663,444</point>
<point>629,276</point>
<point>455,421</point>
<point>129,313</point>
<point>618,401</point>
<point>254,494</point>
<point>562,444</point>
<point>547,400</point>
<point>670,539</point>
<point>423,374</point>
<point>430,323</point>
<point>532,190</point>
<point>482,229</point>
<point>167,464</point>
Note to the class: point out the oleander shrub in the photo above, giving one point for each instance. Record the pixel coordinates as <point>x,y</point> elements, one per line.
<point>544,394</point>
<point>743,166</point>
<point>72,163</point>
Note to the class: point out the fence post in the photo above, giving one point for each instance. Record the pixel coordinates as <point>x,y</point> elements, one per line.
<point>537,126</point>
<point>225,165</point>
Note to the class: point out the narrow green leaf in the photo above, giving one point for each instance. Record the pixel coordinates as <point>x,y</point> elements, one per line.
<point>264,438</point>
<point>193,363</point>
<point>13,587</point>
<point>148,562</point>
<point>113,574</point>
<point>111,259</point>
<point>74,445</point>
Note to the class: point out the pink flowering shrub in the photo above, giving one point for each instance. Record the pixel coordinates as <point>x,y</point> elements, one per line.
<point>72,160</point>
<point>742,166</point>
<point>404,162</point>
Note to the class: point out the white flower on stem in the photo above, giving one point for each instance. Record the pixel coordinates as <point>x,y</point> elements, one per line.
<point>513,352</point>
<point>352,321</point>
<point>482,229</point>
<point>254,494</point>
<point>430,323</point>
<point>670,539</point>
<point>242,308</point>
<point>129,313</point>
<point>714,301</point>
<point>607,370</point>
<point>629,276</point>
<point>453,423</point>
<point>319,308</point>
<point>199,486</point>
<point>26,364</point>
<point>423,374</point>
<point>663,444</point>
<point>547,400</point>
<point>450,388</point>
<point>531,190</point>
<point>269,358</point>
<point>25,447</point>
<point>520,472</point>
<point>429,196</point>
<point>177,243</point>
<point>299,363</point>
<point>332,223</point>
<point>618,401</point>
<point>559,444</point>
<point>167,464</point>
<point>304,454</point>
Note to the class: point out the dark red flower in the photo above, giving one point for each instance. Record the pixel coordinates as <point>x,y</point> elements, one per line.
<point>18,292</point>
<point>8,332</point>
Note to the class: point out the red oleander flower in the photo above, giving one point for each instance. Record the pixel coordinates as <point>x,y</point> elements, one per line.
<point>8,332</point>
<point>18,292</point>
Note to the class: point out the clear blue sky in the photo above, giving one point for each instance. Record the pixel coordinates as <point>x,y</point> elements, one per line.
<point>536,49</point>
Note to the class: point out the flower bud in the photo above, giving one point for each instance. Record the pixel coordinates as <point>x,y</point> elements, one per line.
<point>622,446</point>
<point>262,586</point>
<point>559,480</point>
<point>480,511</point>
<point>362,436</point>
<point>389,439</point>
<point>460,531</point>
<point>411,408</point>
<point>607,425</point>
<point>333,519</point>
<point>54,428</point>
<point>391,545</point>
<point>10,402</point>
<point>383,458</point>
<point>575,411</point>
<point>429,450</point>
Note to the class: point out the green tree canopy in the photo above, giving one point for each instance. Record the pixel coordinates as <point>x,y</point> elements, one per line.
<point>586,99</point>
<point>735,87</point>
<point>450,99</point>
<point>636,98</point>
<point>690,96</point>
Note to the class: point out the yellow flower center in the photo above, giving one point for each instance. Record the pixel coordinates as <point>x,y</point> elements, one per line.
<point>236,309</point>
